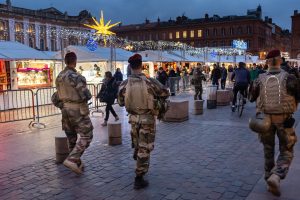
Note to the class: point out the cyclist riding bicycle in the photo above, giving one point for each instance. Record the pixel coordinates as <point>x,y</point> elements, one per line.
<point>242,80</point>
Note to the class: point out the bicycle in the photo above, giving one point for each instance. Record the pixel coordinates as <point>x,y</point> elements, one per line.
<point>240,103</point>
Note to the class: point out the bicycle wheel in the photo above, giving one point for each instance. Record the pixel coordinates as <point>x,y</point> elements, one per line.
<point>241,105</point>
<point>238,102</point>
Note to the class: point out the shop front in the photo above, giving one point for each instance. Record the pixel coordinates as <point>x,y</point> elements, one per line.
<point>32,74</point>
<point>3,76</point>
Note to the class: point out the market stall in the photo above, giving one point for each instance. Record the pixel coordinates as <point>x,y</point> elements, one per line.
<point>24,67</point>
<point>93,64</point>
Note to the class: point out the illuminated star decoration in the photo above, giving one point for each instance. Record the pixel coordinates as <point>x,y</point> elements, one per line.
<point>102,28</point>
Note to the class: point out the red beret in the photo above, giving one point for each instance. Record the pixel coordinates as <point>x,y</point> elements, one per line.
<point>273,54</point>
<point>135,58</point>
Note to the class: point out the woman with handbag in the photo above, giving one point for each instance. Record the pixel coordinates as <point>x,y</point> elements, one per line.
<point>108,94</point>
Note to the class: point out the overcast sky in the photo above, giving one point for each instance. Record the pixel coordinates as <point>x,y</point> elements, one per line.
<point>135,11</point>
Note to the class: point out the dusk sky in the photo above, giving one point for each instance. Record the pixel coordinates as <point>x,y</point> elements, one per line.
<point>135,11</point>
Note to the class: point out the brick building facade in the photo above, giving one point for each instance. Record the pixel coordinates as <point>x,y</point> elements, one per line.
<point>296,35</point>
<point>41,29</point>
<point>261,35</point>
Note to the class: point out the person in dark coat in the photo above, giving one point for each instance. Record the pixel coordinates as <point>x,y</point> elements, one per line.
<point>291,70</point>
<point>216,75</point>
<point>162,76</point>
<point>108,94</point>
<point>223,76</point>
<point>118,75</point>
<point>172,81</point>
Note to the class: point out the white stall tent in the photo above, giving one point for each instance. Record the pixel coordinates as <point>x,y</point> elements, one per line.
<point>159,56</point>
<point>100,54</point>
<point>17,51</point>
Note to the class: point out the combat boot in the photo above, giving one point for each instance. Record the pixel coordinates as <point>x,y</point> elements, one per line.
<point>72,166</point>
<point>274,185</point>
<point>140,182</point>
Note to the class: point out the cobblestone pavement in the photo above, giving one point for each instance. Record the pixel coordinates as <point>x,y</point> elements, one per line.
<point>213,156</point>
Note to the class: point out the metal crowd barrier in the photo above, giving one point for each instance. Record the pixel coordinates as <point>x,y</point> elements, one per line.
<point>44,106</point>
<point>16,105</point>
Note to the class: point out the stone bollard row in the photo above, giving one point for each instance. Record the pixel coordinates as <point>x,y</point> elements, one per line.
<point>223,97</point>
<point>198,107</point>
<point>178,112</point>
<point>114,133</point>
<point>61,148</point>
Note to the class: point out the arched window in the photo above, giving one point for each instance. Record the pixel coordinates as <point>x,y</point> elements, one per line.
<point>31,28</point>
<point>53,45</point>
<point>42,44</point>
<point>18,27</point>
<point>2,26</point>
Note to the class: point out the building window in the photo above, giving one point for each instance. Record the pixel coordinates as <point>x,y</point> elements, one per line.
<point>31,43</point>
<point>184,34</point>
<point>18,27</point>
<point>231,31</point>
<point>199,33</point>
<point>164,36</point>
<point>215,32</point>
<point>248,44</point>
<point>170,36</point>
<point>2,26</point>
<point>53,45</point>
<point>249,30</point>
<point>192,33</point>
<point>177,35</point>
<point>223,32</point>
<point>240,30</point>
<point>42,44</point>
<point>207,32</point>
<point>31,28</point>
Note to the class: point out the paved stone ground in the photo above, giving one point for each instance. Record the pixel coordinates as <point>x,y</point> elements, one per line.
<point>213,156</point>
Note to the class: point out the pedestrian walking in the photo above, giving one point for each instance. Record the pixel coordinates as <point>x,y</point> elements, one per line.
<point>185,77</point>
<point>108,95</point>
<point>276,93</point>
<point>178,75</point>
<point>254,72</point>
<point>162,76</point>
<point>216,75</point>
<point>118,75</point>
<point>172,81</point>
<point>140,96</point>
<point>72,97</point>
<point>197,79</point>
<point>223,77</point>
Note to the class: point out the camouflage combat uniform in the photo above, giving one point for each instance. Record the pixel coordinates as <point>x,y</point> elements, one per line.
<point>277,99</point>
<point>198,77</point>
<point>143,124</point>
<point>74,94</point>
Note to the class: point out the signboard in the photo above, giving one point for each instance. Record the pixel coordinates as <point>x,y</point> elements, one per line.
<point>239,44</point>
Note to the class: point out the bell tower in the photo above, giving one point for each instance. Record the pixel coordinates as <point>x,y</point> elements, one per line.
<point>296,35</point>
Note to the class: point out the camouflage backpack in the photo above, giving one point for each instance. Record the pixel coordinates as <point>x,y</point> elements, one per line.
<point>138,99</point>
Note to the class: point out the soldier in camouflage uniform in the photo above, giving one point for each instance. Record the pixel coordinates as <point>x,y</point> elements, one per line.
<point>140,96</point>
<point>197,79</point>
<point>73,93</point>
<point>277,95</point>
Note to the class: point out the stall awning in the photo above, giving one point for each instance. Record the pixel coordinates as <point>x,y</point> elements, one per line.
<point>17,51</point>
<point>100,54</point>
<point>159,56</point>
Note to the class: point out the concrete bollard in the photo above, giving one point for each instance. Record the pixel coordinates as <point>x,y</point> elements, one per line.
<point>114,133</point>
<point>178,111</point>
<point>61,148</point>
<point>223,97</point>
<point>230,93</point>
<point>198,107</point>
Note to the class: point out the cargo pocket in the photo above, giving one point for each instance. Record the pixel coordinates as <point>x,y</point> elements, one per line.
<point>84,110</point>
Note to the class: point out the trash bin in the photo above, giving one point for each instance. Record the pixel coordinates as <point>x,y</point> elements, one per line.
<point>211,97</point>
